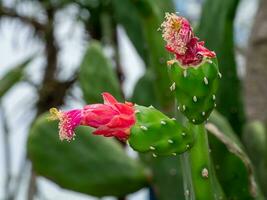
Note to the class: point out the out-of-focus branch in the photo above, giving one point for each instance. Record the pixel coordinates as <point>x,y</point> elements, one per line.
<point>52,91</point>
<point>256,70</point>
<point>8,12</point>
<point>22,169</point>
<point>241,51</point>
<point>6,153</point>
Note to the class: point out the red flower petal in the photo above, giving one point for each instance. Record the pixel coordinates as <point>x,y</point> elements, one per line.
<point>109,99</point>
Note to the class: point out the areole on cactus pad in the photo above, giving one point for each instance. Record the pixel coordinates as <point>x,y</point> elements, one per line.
<point>146,128</point>
<point>194,70</point>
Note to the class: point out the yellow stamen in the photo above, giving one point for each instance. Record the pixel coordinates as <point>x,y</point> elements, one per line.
<point>55,114</point>
<point>171,62</point>
<point>176,24</point>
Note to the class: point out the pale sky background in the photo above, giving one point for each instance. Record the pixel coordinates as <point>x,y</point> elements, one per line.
<point>16,44</point>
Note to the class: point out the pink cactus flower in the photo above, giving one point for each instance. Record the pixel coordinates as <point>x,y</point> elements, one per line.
<point>109,119</point>
<point>178,34</point>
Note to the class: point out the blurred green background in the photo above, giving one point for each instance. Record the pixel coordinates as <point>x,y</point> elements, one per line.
<point>63,53</point>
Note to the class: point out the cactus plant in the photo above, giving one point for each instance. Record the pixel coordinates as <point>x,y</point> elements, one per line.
<point>146,128</point>
<point>195,75</point>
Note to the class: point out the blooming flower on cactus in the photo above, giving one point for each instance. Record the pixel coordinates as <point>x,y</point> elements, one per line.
<point>178,34</point>
<point>109,119</point>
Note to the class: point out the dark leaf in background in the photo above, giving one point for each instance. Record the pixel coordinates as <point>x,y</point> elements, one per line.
<point>91,164</point>
<point>97,75</point>
<point>144,93</point>
<point>216,29</point>
<point>230,169</point>
<point>158,56</point>
<point>13,76</point>
<point>255,141</point>
<point>127,16</point>
<point>167,176</point>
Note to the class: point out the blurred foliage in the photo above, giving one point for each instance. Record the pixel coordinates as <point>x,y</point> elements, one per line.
<point>97,75</point>
<point>216,29</point>
<point>230,169</point>
<point>167,176</point>
<point>144,93</point>
<point>13,76</point>
<point>93,165</point>
<point>255,141</point>
<point>131,23</point>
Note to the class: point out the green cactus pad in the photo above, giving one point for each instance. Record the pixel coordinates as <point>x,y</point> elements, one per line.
<point>90,164</point>
<point>195,89</point>
<point>156,133</point>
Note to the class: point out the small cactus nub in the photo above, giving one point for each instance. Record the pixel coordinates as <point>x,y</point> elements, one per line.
<point>185,73</point>
<point>186,193</point>
<point>162,122</point>
<point>143,128</point>
<point>154,155</point>
<point>214,97</point>
<point>172,87</point>
<point>194,98</point>
<point>170,141</point>
<point>205,173</point>
<point>152,148</point>
<point>209,61</point>
<point>206,81</point>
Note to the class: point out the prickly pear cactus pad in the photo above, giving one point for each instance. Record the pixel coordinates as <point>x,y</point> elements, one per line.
<point>194,69</point>
<point>156,133</point>
<point>195,89</point>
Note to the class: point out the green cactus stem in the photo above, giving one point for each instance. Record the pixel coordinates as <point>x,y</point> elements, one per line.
<point>200,165</point>
<point>156,133</point>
